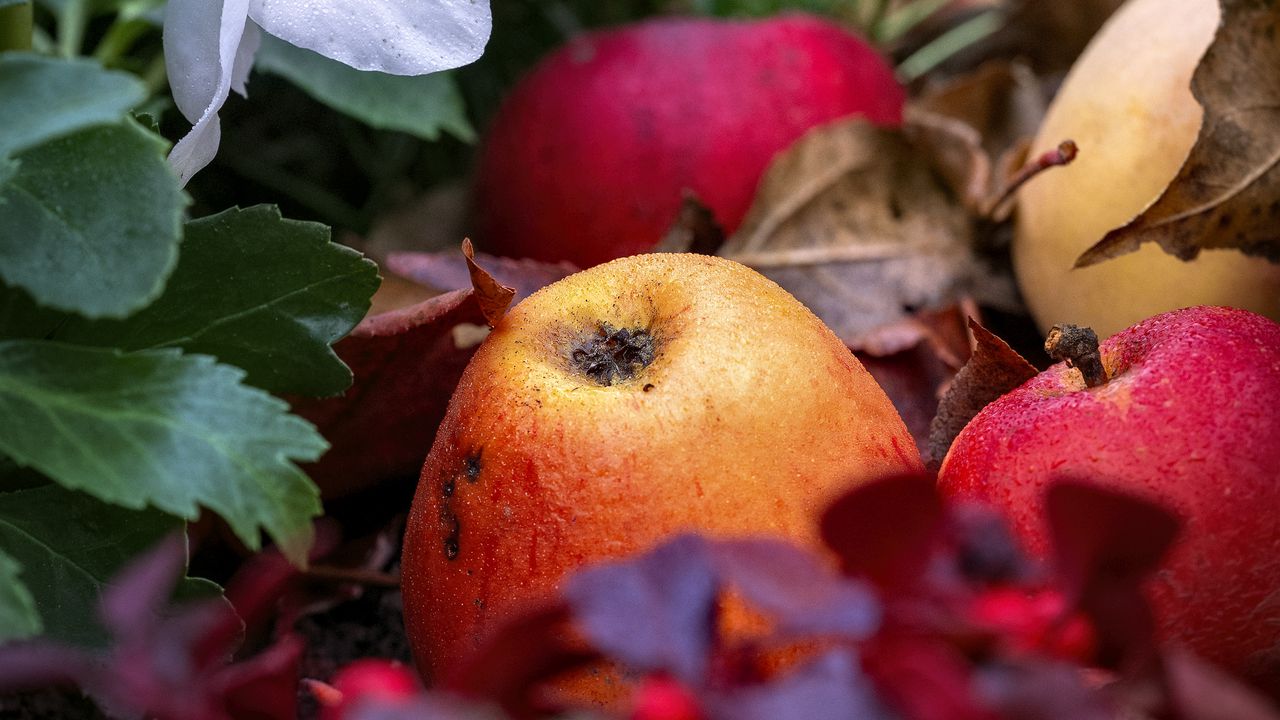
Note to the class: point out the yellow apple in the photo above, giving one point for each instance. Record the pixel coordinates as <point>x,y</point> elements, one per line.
<point>1127,103</point>
<point>623,404</point>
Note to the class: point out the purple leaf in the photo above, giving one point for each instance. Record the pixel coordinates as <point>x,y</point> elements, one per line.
<point>654,612</point>
<point>832,687</point>
<point>136,596</point>
<point>1040,691</point>
<point>801,595</point>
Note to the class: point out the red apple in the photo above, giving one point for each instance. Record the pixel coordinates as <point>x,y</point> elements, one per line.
<point>589,156</point>
<point>1188,418</point>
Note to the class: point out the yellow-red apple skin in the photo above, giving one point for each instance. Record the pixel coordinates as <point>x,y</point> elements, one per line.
<point>1189,419</point>
<point>1127,103</point>
<point>751,416</point>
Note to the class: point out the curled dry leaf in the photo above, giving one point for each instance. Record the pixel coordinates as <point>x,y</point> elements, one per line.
<point>852,221</point>
<point>976,131</point>
<point>695,230</point>
<point>1227,194</point>
<point>993,370</point>
<point>494,297</point>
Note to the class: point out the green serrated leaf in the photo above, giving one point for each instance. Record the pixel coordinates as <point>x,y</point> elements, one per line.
<point>254,290</point>
<point>72,546</point>
<point>157,428</point>
<point>57,98</point>
<point>18,615</point>
<point>91,222</point>
<point>422,105</point>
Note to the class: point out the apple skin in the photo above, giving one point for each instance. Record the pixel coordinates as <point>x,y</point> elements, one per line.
<point>751,416</point>
<point>1189,419</point>
<point>1128,105</point>
<point>589,156</point>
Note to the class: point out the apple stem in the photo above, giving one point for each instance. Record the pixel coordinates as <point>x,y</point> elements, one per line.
<point>1078,347</point>
<point>1064,154</point>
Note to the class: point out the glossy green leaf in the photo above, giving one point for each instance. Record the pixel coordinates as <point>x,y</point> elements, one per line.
<point>70,546</point>
<point>18,615</point>
<point>58,97</point>
<point>422,105</point>
<point>157,428</point>
<point>257,291</point>
<point>92,221</point>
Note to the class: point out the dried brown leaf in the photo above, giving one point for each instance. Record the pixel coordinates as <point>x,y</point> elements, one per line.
<point>695,230</point>
<point>975,128</point>
<point>852,221</point>
<point>993,369</point>
<point>493,296</point>
<point>1227,194</point>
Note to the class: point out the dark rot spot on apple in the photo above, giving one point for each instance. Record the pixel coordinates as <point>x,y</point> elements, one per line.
<point>612,355</point>
<point>446,490</point>
<point>471,467</point>
<point>453,537</point>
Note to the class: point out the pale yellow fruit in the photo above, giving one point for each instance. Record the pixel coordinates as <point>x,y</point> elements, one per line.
<point>1128,105</point>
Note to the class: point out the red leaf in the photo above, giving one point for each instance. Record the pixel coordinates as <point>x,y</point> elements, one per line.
<point>523,654</point>
<point>1105,545</point>
<point>406,364</point>
<point>885,530</point>
<point>264,687</point>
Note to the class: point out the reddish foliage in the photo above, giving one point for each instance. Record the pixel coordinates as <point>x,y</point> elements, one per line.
<point>406,363</point>
<point>172,663</point>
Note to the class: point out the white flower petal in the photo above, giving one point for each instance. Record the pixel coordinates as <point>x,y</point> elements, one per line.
<point>401,37</point>
<point>249,45</point>
<point>201,47</point>
<point>193,152</point>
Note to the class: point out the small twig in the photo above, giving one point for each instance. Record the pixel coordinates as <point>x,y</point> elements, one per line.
<point>1064,154</point>
<point>1078,347</point>
<point>357,576</point>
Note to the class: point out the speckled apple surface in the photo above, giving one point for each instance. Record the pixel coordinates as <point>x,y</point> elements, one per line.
<point>588,158</point>
<point>1189,418</point>
<point>1127,103</point>
<point>749,417</point>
